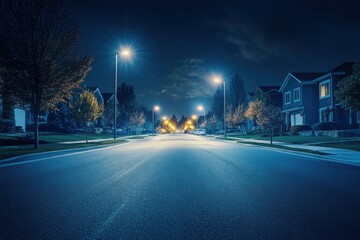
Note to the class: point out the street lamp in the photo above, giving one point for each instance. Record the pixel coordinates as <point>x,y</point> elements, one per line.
<point>219,80</point>
<point>194,117</point>
<point>124,53</point>
<point>202,108</point>
<point>156,108</point>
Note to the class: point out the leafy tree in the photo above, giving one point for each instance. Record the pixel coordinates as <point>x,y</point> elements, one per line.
<point>86,110</point>
<point>218,103</point>
<point>229,115</point>
<point>182,121</point>
<point>173,119</point>
<point>126,97</point>
<point>237,94</point>
<point>40,59</point>
<point>348,93</point>
<point>238,115</point>
<point>267,116</point>
<point>60,120</point>
<point>137,119</point>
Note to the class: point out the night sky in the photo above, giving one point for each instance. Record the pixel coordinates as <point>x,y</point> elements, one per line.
<point>178,44</point>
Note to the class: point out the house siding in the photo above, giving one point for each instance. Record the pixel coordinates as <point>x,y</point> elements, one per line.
<point>292,84</point>
<point>310,97</point>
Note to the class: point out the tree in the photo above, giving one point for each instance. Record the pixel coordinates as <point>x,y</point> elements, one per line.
<point>237,94</point>
<point>229,115</point>
<point>86,110</point>
<point>137,119</point>
<point>267,116</point>
<point>348,93</point>
<point>40,59</point>
<point>238,115</point>
<point>218,103</point>
<point>173,119</point>
<point>126,97</point>
<point>60,120</point>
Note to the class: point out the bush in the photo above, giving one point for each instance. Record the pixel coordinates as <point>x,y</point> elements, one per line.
<point>7,126</point>
<point>321,126</point>
<point>294,130</point>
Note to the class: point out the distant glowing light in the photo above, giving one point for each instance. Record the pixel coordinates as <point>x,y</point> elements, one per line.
<point>156,108</point>
<point>164,118</point>
<point>200,108</point>
<point>194,117</point>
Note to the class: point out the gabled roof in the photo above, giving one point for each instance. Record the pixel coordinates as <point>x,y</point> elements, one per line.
<point>266,89</point>
<point>306,76</point>
<point>107,96</point>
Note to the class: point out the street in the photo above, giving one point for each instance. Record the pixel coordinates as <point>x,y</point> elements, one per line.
<point>178,187</point>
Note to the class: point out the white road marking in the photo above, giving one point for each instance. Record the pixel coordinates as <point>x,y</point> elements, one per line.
<point>57,156</point>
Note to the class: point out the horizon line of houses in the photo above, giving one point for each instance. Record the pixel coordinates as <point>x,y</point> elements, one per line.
<point>305,98</point>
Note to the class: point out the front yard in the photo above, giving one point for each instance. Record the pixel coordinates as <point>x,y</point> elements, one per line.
<point>48,137</point>
<point>352,143</point>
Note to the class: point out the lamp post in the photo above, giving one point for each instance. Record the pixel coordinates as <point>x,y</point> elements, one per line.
<point>125,53</point>
<point>202,108</point>
<point>155,108</point>
<point>218,80</point>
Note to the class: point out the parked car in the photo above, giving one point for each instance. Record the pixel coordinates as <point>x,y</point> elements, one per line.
<point>200,131</point>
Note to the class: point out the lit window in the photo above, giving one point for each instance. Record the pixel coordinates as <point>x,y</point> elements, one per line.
<point>325,89</point>
<point>296,94</point>
<point>287,97</point>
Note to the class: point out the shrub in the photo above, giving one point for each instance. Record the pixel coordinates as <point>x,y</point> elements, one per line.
<point>7,126</point>
<point>321,126</point>
<point>294,130</point>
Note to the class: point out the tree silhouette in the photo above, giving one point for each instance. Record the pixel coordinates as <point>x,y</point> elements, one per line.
<point>40,58</point>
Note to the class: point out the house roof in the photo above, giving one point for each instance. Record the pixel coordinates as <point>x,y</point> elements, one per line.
<point>344,67</point>
<point>306,76</point>
<point>268,88</point>
<point>251,94</point>
<point>91,88</point>
<point>107,96</point>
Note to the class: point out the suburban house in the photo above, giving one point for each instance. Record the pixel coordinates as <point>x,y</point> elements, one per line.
<point>272,94</point>
<point>308,98</point>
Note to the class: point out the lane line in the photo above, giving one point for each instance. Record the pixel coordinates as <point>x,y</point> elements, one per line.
<point>57,156</point>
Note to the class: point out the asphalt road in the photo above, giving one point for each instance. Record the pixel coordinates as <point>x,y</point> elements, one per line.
<point>178,187</point>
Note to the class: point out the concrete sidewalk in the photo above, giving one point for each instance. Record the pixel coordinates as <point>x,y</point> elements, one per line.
<point>335,154</point>
<point>71,142</point>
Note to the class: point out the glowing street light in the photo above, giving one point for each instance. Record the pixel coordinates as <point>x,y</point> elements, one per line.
<point>156,108</point>
<point>201,108</point>
<point>194,117</point>
<point>164,118</point>
<point>125,53</point>
<point>218,80</point>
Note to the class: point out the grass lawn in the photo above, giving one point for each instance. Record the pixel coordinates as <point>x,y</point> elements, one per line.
<point>284,147</point>
<point>351,145</point>
<point>295,139</point>
<point>12,152</point>
<point>48,137</point>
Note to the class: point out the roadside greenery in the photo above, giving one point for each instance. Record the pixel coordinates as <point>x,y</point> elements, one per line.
<point>13,152</point>
<point>40,59</point>
<point>348,92</point>
<point>86,110</point>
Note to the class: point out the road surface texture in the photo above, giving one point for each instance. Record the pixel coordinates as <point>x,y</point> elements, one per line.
<point>178,187</point>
